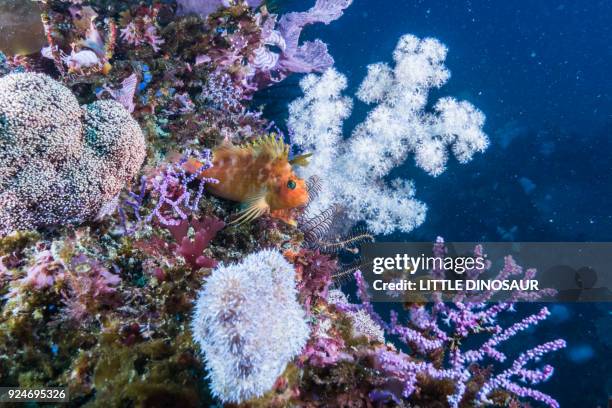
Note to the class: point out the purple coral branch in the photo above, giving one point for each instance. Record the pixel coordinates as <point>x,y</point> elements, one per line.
<point>312,55</point>
<point>488,349</point>
<point>464,316</point>
<point>411,336</point>
<point>173,177</point>
<point>525,375</point>
<point>402,367</point>
<point>407,334</point>
<point>270,67</point>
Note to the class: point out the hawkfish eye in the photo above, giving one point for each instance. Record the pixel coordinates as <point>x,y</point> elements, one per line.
<point>291,184</point>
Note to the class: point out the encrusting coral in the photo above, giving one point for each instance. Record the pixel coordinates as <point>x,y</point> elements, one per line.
<point>249,325</point>
<point>61,163</point>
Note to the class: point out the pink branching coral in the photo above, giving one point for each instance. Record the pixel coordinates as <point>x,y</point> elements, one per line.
<point>193,249</point>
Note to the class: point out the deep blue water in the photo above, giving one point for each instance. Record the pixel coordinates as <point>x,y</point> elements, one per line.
<point>541,72</point>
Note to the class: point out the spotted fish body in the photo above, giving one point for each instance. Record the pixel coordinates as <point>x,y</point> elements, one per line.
<point>259,175</point>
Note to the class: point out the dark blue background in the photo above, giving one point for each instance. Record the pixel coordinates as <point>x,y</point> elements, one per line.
<point>541,72</point>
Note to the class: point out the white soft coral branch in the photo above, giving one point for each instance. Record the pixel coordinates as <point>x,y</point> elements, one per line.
<point>354,169</point>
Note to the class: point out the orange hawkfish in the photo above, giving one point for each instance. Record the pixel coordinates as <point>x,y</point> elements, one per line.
<point>259,175</point>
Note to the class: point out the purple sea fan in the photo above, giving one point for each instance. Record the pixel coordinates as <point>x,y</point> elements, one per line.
<point>311,56</point>
<point>125,94</point>
<point>444,326</point>
<point>249,324</point>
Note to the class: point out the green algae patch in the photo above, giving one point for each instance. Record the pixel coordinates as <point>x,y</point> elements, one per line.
<point>149,374</point>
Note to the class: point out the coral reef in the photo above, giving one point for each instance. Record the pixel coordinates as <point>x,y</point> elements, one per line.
<point>236,322</point>
<point>61,163</point>
<point>166,302</point>
<point>397,126</point>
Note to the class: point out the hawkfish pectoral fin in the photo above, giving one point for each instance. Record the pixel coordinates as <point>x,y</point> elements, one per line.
<point>255,207</point>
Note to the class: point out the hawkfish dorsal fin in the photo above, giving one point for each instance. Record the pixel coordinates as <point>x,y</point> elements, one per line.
<point>270,145</point>
<point>226,146</point>
<point>254,207</point>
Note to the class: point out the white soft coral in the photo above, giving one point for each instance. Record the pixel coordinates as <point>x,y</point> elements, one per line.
<point>354,169</point>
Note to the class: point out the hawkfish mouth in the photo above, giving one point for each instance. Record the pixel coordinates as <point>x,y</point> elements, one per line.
<point>299,202</point>
<point>288,204</point>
